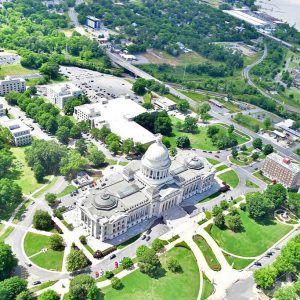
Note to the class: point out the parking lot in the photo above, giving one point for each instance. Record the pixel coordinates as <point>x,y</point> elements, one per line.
<point>9,58</point>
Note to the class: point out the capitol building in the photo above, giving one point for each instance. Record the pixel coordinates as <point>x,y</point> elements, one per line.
<point>145,189</point>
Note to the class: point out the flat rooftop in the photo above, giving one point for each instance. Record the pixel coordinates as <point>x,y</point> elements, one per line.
<point>284,161</point>
<point>242,15</point>
<point>14,125</point>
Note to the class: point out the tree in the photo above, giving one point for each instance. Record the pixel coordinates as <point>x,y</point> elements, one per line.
<point>173,265</point>
<point>258,205</point>
<point>230,129</point>
<point>81,146</point>
<point>42,220</point>
<point>8,261</point>
<point>139,86</point>
<point>11,287</point>
<point>277,194</point>
<point>219,220</point>
<point>234,153</point>
<point>157,245</point>
<point>182,105</point>
<point>72,164</point>
<point>162,123</point>
<point>39,172</point>
<point>128,146</point>
<point>56,242</point>
<point>212,130</point>
<point>127,263</point>
<point>25,295</point>
<point>224,204</point>
<point>75,132</point>
<point>76,260</point>
<point>12,97</point>
<point>50,69</point>
<point>268,149</point>
<point>114,147</point>
<point>83,287</point>
<point>63,134</point>
<point>50,198</point>
<point>49,295</point>
<point>257,143</point>
<point>148,261</point>
<point>6,162</point>
<point>255,155</point>
<point>173,151</point>
<point>265,277</point>
<point>183,142</point>
<point>95,156</point>
<point>116,283</point>
<point>244,148</point>
<point>216,210</point>
<point>203,109</point>
<point>234,222</point>
<point>190,124</point>
<point>11,194</point>
<point>267,123</point>
<point>286,293</point>
<point>83,240</point>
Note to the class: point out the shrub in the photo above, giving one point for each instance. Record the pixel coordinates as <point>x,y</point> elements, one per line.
<point>109,274</point>
<point>183,245</point>
<point>82,239</point>
<point>42,220</point>
<point>56,242</point>
<point>208,215</point>
<point>116,283</point>
<point>173,265</point>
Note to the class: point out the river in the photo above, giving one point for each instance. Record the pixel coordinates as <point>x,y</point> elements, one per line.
<point>285,10</point>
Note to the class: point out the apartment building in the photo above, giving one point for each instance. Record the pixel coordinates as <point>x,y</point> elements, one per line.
<point>282,170</point>
<point>9,84</point>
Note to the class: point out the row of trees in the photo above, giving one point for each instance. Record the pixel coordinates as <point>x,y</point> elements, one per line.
<point>141,86</point>
<point>221,140</point>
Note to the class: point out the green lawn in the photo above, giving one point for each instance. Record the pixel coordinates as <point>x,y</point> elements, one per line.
<point>221,168</point>
<point>34,243</point>
<point>169,286</point>
<point>26,180</point>
<point>42,286</point>
<point>200,140</point>
<point>231,178</point>
<point>207,252</point>
<point>46,188</point>
<point>213,161</point>
<point>248,122</point>
<point>129,241</point>
<point>251,184</point>
<point>195,96</point>
<point>240,161</point>
<point>6,233</point>
<point>21,211</point>
<point>68,189</point>
<point>208,288</point>
<point>253,240</point>
<point>15,69</point>
<point>236,262</point>
<point>212,196</point>
<point>260,176</point>
<point>147,98</point>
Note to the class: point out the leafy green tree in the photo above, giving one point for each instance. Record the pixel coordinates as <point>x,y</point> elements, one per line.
<point>63,134</point>
<point>25,295</point>
<point>219,220</point>
<point>6,138</point>
<point>50,69</point>
<point>75,132</point>
<point>157,245</point>
<point>42,220</point>
<point>114,147</point>
<point>12,97</point>
<point>128,146</point>
<point>163,124</point>
<point>10,288</point>
<point>95,156</point>
<point>257,143</point>
<point>212,130</point>
<point>11,194</point>
<point>182,105</point>
<point>267,123</point>
<point>39,172</point>
<point>72,164</point>
<point>83,287</point>
<point>173,151</point>
<point>258,205</point>
<point>190,124</point>
<point>116,283</point>
<point>127,263</point>
<point>81,146</point>
<point>148,261</point>
<point>6,162</point>
<point>204,108</point>
<point>234,222</point>
<point>76,260</point>
<point>286,293</point>
<point>8,261</point>
<point>230,129</point>
<point>173,265</point>
<point>224,204</point>
<point>277,194</point>
<point>139,86</point>
<point>234,153</point>
<point>265,277</point>
<point>49,295</point>
<point>51,198</point>
<point>56,242</point>
<point>216,210</point>
<point>255,156</point>
<point>183,142</point>
<point>268,149</point>
<point>83,240</point>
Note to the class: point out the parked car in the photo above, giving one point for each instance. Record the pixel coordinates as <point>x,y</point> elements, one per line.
<point>148,238</point>
<point>257,264</point>
<point>143,237</point>
<point>112,256</point>
<point>37,282</point>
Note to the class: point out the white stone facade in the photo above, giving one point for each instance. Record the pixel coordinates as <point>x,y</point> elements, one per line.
<point>10,84</point>
<point>146,189</point>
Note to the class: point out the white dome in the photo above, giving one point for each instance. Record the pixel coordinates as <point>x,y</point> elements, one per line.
<point>157,156</point>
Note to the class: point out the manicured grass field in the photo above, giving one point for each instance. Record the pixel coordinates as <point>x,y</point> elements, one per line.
<point>6,233</point>
<point>253,240</point>
<point>208,288</point>
<point>43,286</point>
<point>69,189</point>
<point>207,252</point>
<point>195,96</point>
<point>169,286</point>
<point>34,243</point>
<point>248,122</point>
<point>46,188</point>
<point>221,168</point>
<point>213,161</point>
<point>260,176</point>
<point>14,69</point>
<point>26,180</point>
<point>251,184</point>
<point>238,263</point>
<point>200,140</point>
<point>129,241</point>
<point>231,178</point>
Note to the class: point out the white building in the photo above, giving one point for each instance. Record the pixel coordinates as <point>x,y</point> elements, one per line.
<point>282,170</point>
<point>58,94</point>
<point>2,110</point>
<point>93,22</point>
<point>145,189</point>
<point>165,103</point>
<point>21,133</point>
<point>118,115</point>
<point>10,84</point>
